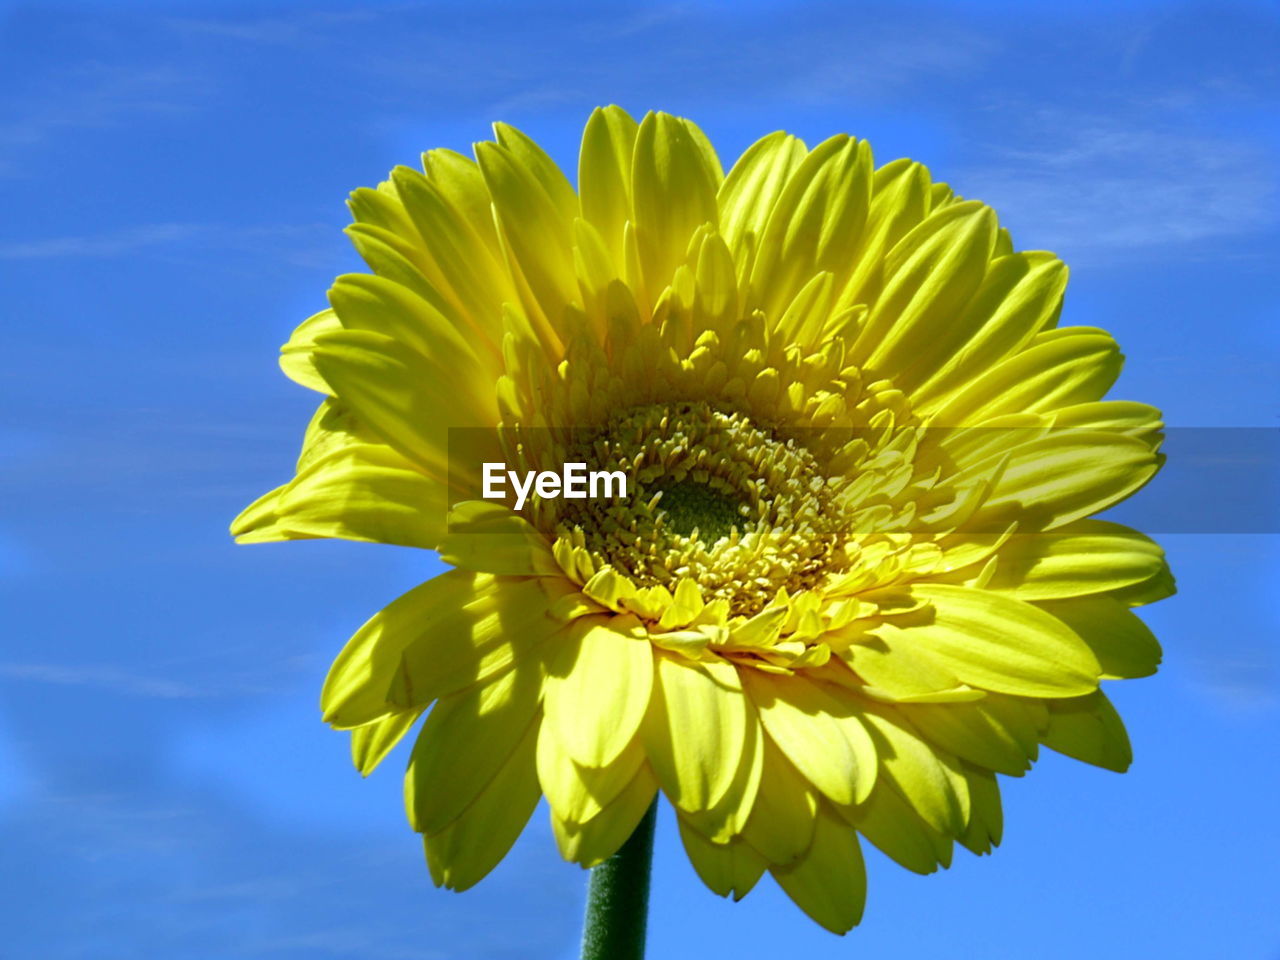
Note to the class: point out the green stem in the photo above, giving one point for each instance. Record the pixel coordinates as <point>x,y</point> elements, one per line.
<point>618,898</point>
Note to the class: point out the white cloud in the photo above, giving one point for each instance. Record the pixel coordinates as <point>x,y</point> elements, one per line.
<point>1124,186</point>
<point>102,677</point>
<point>297,29</point>
<point>304,245</point>
<point>131,683</point>
<point>92,96</point>
<point>116,243</point>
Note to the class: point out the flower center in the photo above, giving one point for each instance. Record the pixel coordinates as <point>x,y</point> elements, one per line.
<point>694,509</point>
<point>716,498</point>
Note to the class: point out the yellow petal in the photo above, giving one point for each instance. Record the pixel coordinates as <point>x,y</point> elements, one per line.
<point>829,882</point>
<point>751,189</point>
<point>815,223</point>
<point>1123,644</point>
<point>819,730</point>
<point>1019,296</point>
<point>972,731</point>
<point>1059,368</point>
<point>399,394</point>
<point>899,201</point>
<point>1139,420</point>
<point>695,731</point>
<point>896,828</point>
<point>887,665</point>
<point>436,639</point>
<point>986,818</point>
<point>371,743</point>
<point>726,868</point>
<point>599,838</point>
<point>455,258</point>
<point>463,853</point>
<point>604,177</point>
<point>598,688</point>
<point>382,208</point>
<point>928,778</point>
<point>674,183</point>
<point>1065,477</point>
<point>929,277</point>
<point>538,232</point>
<point>1085,557</point>
<point>364,492</point>
<point>466,740</point>
<point>781,822</point>
<point>295,356</point>
<point>576,793</point>
<point>994,642</point>
<point>378,305</point>
<point>1090,730</point>
<point>489,537</point>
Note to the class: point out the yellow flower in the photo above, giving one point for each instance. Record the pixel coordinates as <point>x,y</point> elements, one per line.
<point>857,578</point>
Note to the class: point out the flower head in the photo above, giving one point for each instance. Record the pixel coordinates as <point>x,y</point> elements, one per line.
<point>856,576</point>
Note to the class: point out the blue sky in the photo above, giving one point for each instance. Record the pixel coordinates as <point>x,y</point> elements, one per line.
<point>173,179</point>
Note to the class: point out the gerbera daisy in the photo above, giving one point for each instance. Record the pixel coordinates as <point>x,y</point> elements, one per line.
<point>855,576</point>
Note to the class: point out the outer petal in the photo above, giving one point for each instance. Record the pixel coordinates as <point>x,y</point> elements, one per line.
<point>815,223</point>
<point>1123,644</point>
<point>930,276</point>
<point>438,638</point>
<point>598,689</point>
<point>408,401</point>
<point>973,732</point>
<point>604,177</point>
<point>1081,558</point>
<point>727,868</point>
<point>986,820</point>
<point>1065,477</point>
<point>992,641</point>
<point>899,201</point>
<point>751,189</point>
<point>829,882</point>
<point>456,257</point>
<point>818,731</point>
<point>781,823</point>
<point>362,492</point>
<point>576,793</point>
<point>371,743</point>
<point>673,192</point>
<point>467,739</point>
<point>930,779</point>
<point>463,853</point>
<point>599,838</point>
<point>894,826</point>
<point>1019,296</point>
<point>1090,730</point>
<point>886,665</point>
<point>295,356</point>
<point>489,537</point>
<point>1059,368</point>
<point>537,231</point>
<point>695,731</point>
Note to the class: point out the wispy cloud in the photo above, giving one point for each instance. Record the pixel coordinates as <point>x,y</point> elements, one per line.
<point>92,96</point>
<point>296,29</point>
<point>889,58</point>
<point>128,682</point>
<point>116,243</point>
<point>1124,185</point>
<point>109,678</point>
<point>302,245</point>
